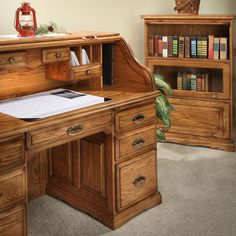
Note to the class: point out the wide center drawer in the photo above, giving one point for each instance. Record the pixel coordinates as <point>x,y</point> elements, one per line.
<point>68,131</point>
<point>136,179</point>
<point>12,188</point>
<point>11,152</point>
<point>135,141</point>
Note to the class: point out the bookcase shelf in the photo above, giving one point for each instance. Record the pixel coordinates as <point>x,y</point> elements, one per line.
<point>193,104</point>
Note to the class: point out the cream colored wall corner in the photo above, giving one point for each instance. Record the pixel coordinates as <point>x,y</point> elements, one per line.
<point>121,16</point>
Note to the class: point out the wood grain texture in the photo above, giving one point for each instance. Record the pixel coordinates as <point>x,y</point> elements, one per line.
<point>13,188</point>
<point>136,179</point>
<point>13,222</point>
<point>37,174</point>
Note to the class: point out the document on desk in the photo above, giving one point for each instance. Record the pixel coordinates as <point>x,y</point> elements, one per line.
<point>45,104</point>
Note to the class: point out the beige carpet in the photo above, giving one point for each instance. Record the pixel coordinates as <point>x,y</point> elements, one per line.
<point>198,186</point>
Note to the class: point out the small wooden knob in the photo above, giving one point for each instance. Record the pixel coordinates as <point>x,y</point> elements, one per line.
<point>88,72</point>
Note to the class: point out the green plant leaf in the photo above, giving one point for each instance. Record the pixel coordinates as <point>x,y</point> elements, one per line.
<point>160,134</point>
<point>161,84</point>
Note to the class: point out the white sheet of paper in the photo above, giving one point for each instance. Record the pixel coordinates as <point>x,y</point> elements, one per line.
<point>48,103</point>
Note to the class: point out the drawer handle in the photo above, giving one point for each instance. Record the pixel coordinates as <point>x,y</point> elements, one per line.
<point>139,181</point>
<point>138,118</point>
<point>74,130</point>
<point>12,60</point>
<point>1,194</point>
<point>138,143</point>
<point>58,55</point>
<point>88,72</point>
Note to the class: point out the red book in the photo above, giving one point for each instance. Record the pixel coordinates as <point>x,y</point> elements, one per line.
<point>150,45</point>
<point>210,46</point>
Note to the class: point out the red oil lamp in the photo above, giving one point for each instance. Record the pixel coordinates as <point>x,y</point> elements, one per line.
<point>25,20</point>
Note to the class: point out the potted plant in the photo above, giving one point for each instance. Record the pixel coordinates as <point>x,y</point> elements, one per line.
<point>163,105</point>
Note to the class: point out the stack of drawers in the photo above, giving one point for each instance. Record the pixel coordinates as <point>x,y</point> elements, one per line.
<point>135,153</point>
<point>12,186</point>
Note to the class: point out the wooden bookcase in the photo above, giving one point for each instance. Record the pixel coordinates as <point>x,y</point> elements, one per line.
<point>201,118</point>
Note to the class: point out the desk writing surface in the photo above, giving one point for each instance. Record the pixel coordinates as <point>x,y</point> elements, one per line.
<point>10,125</point>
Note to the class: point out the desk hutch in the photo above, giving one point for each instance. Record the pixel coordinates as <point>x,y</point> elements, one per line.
<point>100,159</point>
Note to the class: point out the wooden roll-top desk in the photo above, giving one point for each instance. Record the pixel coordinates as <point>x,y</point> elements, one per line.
<point>107,168</point>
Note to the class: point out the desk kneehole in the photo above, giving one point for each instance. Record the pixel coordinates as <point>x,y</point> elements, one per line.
<point>68,131</point>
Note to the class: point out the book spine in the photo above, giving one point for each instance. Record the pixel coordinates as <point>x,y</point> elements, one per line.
<point>179,81</point>
<point>185,81</point>
<point>199,47</point>
<point>165,46</point>
<point>216,47</point>
<point>181,47</point>
<point>199,82</point>
<point>156,45</point>
<point>159,46</point>
<point>223,48</point>
<point>187,46</point>
<point>193,82</point>
<point>193,43</point>
<point>207,82</point>
<point>175,46</point>
<point>150,45</point>
<point>170,46</point>
<point>203,82</point>
<point>210,46</point>
<point>204,47</point>
<point>189,81</point>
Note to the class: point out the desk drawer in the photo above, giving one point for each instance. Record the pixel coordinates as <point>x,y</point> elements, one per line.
<point>12,188</point>
<point>86,72</point>
<point>136,179</point>
<point>13,59</point>
<point>135,117</point>
<point>68,131</point>
<point>135,141</point>
<point>13,222</point>
<point>55,54</point>
<point>11,152</point>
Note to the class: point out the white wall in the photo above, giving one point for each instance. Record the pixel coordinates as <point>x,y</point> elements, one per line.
<point>121,16</point>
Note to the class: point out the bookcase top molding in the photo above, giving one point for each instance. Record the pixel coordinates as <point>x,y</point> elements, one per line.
<point>185,17</point>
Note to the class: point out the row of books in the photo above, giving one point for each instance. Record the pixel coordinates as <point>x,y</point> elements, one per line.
<point>191,81</point>
<point>188,46</point>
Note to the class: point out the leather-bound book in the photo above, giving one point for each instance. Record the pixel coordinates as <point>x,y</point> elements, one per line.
<point>187,46</point>
<point>170,46</point>
<point>150,45</point>
<point>181,46</point>
<point>210,46</point>
<point>175,46</point>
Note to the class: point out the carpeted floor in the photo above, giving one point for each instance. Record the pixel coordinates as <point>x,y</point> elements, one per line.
<point>198,187</point>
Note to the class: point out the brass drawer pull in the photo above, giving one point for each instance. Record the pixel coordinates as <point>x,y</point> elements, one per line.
<point>58,55</point>
<point>138,143</point>
<point>74,130</point>
<point>138,118</point>
<point>139,181</point>
<point>12,60</point>
<point>88,72</point>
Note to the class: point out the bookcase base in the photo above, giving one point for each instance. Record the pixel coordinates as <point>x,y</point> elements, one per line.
<point>226,145</point>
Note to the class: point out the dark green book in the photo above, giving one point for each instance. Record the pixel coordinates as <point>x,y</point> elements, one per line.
<point>175,45</point>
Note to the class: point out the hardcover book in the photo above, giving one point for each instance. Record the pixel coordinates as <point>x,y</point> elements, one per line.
<point>193,82</point>
<point>159,46</point>
<point>170,46</point>
<point>199,82</point>
<point>216,48</point>
<point>150,45</point>
<point>223,48</point>
<point>204,47</point>
<point>185,81</point>
<point>181,47</point>
<point>175,46</point>
<point>179,81</point>
<point>193,49</point>
<point>210,46</point>
<point>187,46</point>
<point>165,46</point>
<point>199,47</point>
